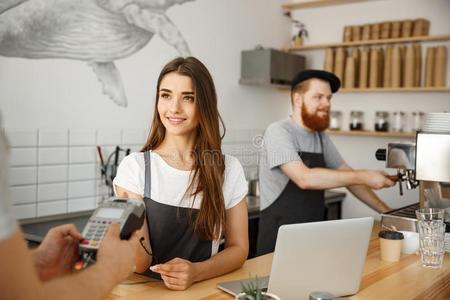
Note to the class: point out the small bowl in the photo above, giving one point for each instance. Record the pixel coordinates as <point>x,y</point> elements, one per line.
<point>410,242</point>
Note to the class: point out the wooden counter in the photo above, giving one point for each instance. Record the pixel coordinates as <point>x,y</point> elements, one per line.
<point>406,279</point>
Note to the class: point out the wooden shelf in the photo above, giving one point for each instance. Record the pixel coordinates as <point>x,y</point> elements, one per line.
<point>317,3</point>
<point>445,89</point>
<point>429,38</point>
<point>372,133</point>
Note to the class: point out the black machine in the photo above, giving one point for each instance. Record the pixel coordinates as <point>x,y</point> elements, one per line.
<point>129,213</point>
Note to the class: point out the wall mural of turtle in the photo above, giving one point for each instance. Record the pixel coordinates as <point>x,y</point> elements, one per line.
<point>96,31</point>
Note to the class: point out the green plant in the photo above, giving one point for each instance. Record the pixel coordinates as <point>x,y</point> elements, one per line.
<point>252,289</point>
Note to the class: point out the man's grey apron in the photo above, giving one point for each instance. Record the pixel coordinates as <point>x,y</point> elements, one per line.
<point>170,229</point>
<point>294,205</point>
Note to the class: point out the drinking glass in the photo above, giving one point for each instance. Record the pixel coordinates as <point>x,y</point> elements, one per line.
<point>431,227</point>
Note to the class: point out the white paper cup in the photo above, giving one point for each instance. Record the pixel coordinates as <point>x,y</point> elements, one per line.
<point>410,242</point>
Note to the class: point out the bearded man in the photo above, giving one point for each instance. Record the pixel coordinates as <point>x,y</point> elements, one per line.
<point>300,161</point>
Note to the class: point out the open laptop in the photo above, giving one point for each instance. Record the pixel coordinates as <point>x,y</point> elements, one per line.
<point>324,256</point>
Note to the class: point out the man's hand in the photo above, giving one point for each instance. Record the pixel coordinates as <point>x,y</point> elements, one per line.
<point>118,255</point>
<point>376,179</point>
<point>58,252</point>
<point>178,274</point>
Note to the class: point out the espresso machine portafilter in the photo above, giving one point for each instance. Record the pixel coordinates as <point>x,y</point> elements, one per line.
<point>401,156</point>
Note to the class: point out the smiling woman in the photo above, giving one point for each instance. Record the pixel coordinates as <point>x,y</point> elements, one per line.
<point>176,104</point>
<point>194,195</point>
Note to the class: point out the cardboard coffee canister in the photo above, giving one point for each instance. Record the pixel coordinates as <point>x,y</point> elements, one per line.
<point>374,68</point>
<point>349,74</point>
<point>440,66</point>
<point>390,245</point>
<point>407,28</point>
<point>380,67</point>
<point>420,27</point>
<point>396,29</point>
<point>357,59</point>
<point>339,62</point>
<point>429,67</point>
<point>385,30</point>
<point>347,36</point>
<point>329,60</point>
<point>365,35</point>
<point>375,31</point>
<point>396,67</point>
<point>409,70</point>
<point>356,33</point>
<point>402,58</point>
<point>387,68</point>
<point>426,29</point>
<point>364,68</point>
<point>418,64</point>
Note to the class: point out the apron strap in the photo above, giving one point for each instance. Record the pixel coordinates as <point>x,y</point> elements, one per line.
<point>147,188</point>
<point>321,143</point>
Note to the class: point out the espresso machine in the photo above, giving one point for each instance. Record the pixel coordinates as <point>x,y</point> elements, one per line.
<point>425,164</point>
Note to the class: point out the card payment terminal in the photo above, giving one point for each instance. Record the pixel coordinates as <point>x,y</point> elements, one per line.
<point>129,213</point>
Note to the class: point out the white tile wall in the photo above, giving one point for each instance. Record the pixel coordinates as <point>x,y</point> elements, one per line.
<point>23,194</point>
<point>23,157</point>
<point>82,137</point>
<point>24,211</point>
<point>52,191</point>
<point>82,155</point>
<point>82,172</point>
<point>22,137</point>
<point>52,174</point>
<point>53,137</point>
<point>134,136</point>
<point>53,156</point>
<point>22,175</point>
<point>81,189</point>
<point>56,171</point>
<point>51,208</point>
<point>109,137</point>
<point>81,204</point>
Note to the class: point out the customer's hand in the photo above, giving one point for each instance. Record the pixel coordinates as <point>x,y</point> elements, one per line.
<point>376,179</point>
<point>178,273</point>
<point>58,252</point>
<point>118,255</point>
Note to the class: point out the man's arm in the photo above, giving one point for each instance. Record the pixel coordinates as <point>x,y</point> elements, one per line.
<point>366,195</point>
<point>19,279</point>
<point>321,178</point>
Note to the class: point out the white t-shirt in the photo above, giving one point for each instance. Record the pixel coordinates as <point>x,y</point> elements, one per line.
<point>7,222</point>
<point>168,184</point>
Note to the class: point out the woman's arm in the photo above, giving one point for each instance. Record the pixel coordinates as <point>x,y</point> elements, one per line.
<point>179,274</point>
<point>236,245</point>
<point>143,260</point>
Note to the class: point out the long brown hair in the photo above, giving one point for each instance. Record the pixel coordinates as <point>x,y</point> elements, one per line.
<point>207,175</point>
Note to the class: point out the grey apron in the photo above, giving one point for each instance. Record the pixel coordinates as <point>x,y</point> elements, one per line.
<point>294,205</point>
<point>170,229</point>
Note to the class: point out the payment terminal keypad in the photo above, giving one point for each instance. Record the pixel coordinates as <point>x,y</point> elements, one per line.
<point>94,233</point>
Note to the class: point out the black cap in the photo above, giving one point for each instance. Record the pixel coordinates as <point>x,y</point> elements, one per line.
<point>390,235</point>
<point>332,79</point>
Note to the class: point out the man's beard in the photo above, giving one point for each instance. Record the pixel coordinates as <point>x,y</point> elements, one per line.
<point>313,121</point>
